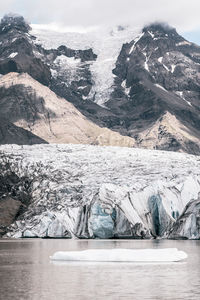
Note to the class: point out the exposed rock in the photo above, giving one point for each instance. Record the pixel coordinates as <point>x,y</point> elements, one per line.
<point>104,192</point>
<point>9,208</point>
<point>13,21</point>
<point>14,195</point>
<point>17,50</point>
<point>168,133</point>
<point>37,109</point>
<point>155,74</point>
<point>65,70</point>
<point>12,134</point>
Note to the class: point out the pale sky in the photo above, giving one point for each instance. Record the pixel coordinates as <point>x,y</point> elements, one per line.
<point>182,14</point>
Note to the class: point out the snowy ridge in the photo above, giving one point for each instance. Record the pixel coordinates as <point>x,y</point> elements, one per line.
<point>105,42</point>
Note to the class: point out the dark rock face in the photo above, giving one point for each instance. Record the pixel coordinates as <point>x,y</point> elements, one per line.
<point>12,134</point>
<point>17,50</point>
<point>20,53</point>
<point>19,102</point>
<point>12,21</point>
<point>9,208</point>
<point>159,72</point>
<point>14,195</point>
<point>188,224</point>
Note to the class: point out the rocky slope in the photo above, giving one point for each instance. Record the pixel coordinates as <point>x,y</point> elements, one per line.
<point>29,105</point>
<point>158,74</point>
<point>90,191</point>
<point>12,134</point>
<point>152,94</point>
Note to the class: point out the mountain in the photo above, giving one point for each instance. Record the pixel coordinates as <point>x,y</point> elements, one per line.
<point>86,191</point>
<point>34,108</point>
<point>158,75</point>
<point>148,89</point>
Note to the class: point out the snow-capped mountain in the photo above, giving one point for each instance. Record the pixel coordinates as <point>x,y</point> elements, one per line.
<point>92,191</point>
<point>158,75</point>
<point>141,83</point>
<point>105,42</point>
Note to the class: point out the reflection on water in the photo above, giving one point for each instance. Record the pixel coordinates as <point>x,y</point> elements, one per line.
<point>96,263</point>
<point>27,273</point>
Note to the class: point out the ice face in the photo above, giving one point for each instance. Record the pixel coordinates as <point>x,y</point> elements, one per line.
<point>92,191</point>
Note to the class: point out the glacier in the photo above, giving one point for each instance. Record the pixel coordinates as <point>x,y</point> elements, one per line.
<point>85,191</point>
<point>106,42</point>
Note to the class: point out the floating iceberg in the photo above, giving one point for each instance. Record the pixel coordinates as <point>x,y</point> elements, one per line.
<point>122,255</point>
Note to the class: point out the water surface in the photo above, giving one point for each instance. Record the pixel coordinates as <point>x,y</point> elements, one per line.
<point>27,273</point>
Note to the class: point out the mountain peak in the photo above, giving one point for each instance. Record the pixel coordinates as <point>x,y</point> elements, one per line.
<point>13,21</point>
<point>159,27</point>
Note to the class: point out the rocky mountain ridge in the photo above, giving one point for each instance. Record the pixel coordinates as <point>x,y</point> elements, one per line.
<point>155,74</point>
<point>156,77</point>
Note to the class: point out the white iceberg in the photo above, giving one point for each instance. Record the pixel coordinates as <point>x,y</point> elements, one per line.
<point>121,255</point>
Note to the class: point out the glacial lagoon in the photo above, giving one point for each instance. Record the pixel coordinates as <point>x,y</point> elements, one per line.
<point>26,271</point>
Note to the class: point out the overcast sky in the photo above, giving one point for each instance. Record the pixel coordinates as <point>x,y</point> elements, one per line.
<point>182,14</point>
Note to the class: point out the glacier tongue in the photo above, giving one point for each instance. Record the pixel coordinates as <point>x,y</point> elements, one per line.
<point>104,192</point>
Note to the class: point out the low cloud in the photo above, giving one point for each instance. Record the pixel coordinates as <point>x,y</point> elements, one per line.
<point>182,14</point>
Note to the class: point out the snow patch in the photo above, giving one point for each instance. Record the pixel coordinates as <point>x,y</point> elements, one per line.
<point>135,41</point>
<point>82,87</point>
<point>151,34</point>
<point>69,66</point>
<point>54,73</point>
<point>160,87</point>
<point>146,62</point>
<point>180,94</point>
<point>173,68</point>
<point>126,90</point>
<point>183,43</point>
<point>13,40</point>
<point>166,68</point>
<point>12,55</point>
<point>160,59</point>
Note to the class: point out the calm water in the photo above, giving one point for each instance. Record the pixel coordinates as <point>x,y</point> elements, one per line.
<point>27,273</point>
